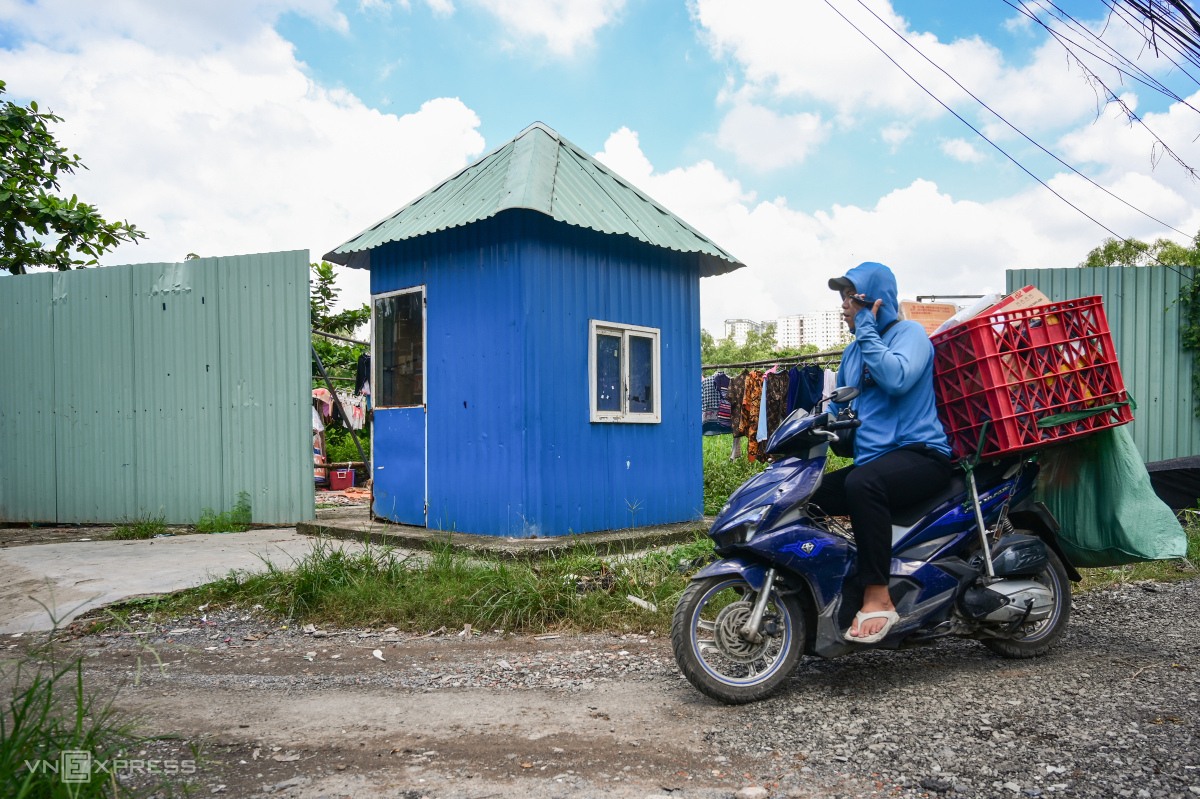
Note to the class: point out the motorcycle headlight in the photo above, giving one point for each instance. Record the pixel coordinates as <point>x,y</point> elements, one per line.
<point>741,528</point>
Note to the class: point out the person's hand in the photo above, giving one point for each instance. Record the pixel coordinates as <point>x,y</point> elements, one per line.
<point>861,301</point>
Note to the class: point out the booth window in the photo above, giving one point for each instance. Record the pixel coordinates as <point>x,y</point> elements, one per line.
<point>623,373</point>
<point>399,323</point>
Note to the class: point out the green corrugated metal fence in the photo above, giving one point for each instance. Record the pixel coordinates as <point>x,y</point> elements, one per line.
<point>157,390</point>
<point>1142,305</point>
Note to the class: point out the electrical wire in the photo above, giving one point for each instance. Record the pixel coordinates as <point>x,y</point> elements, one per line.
<point>1020,132</point>
<point>983,136</point>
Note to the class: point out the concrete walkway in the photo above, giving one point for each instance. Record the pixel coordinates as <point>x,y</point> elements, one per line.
<point>75,577</point>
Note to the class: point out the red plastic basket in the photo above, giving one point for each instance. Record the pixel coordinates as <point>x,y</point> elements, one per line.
<point>1013,369</point>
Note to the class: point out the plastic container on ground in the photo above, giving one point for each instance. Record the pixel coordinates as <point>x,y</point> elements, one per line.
<point>340,479</point>
<point>1015,368</point>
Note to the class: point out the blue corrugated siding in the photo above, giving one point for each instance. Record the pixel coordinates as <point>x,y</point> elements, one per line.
<point>511,449</point>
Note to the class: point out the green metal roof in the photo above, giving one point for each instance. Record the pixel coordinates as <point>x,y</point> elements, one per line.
<point>540,171</point>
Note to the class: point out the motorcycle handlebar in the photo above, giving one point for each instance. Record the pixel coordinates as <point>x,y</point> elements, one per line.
<point>843,424</point>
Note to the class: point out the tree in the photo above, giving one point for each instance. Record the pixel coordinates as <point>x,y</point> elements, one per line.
<point>759,346</point>
<point>1133,252</point>
<point>1165,253</point>
<point>38,228</point>
<point>340,358</point>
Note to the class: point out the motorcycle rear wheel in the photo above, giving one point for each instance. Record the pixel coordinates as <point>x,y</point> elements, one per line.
<point>1035,640</point>
<point>712,654</point>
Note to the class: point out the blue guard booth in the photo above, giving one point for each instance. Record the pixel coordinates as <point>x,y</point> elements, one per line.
<point>535,349</point>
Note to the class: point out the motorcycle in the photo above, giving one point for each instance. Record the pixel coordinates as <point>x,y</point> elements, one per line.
<point>979,560</point>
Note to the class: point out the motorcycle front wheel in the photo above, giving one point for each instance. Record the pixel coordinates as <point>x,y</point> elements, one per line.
<point>713,654</point>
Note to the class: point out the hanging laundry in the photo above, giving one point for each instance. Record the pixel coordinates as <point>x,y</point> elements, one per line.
<point>776,392</point>
<point>354,409</point>
<point>724,412</point>
<point>735,394</point>
<point>362,374</point>
<point>710,400</point>
<point>805,387</point>
<point>324,401</point>
<point>830,385</point>
<point>751,401</point>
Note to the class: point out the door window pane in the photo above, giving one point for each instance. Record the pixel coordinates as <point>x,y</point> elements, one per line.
<point>400,350</point>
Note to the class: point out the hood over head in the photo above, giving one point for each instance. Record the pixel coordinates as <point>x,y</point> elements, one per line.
<point>877,282</point>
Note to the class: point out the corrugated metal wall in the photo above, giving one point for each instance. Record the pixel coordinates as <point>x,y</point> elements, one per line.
<point>158,390</point>
<point>1142,305</point>
<point>511,449</point>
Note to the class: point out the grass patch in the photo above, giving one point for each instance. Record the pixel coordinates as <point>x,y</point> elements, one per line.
<point>574,590</point>
<point>1156,570</point>
<point>50,711</point>
<point>233,521</point>
<point>142,528</point>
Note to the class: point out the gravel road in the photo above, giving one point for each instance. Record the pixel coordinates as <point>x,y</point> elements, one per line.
<point>278,711</point>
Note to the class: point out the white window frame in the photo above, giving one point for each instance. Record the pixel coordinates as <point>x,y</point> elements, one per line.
<point>595,327</point>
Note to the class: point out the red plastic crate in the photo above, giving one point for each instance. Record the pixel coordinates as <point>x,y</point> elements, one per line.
<point>1014,368</point>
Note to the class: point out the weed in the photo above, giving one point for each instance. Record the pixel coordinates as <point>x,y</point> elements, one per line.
<point>234,521</point>
<point>145,527</point>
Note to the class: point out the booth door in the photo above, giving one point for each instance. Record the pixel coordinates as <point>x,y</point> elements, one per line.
<point>398,430</point>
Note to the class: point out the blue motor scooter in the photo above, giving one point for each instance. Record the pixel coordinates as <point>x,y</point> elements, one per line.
<point>979,560</point>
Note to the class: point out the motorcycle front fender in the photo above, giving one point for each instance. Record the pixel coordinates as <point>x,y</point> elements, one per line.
<point>753,572</point>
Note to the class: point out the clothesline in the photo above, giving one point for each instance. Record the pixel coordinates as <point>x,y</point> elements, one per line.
<point>815,358</point>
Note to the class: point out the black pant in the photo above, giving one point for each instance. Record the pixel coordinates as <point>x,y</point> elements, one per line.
<point>868,493</point>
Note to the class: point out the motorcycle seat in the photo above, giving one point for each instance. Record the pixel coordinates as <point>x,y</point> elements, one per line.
<point>985,474</point>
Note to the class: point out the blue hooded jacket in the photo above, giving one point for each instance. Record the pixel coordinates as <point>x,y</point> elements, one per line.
<point>894,372</point>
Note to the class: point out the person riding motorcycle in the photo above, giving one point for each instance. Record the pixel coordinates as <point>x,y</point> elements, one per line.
<point>901,453</point>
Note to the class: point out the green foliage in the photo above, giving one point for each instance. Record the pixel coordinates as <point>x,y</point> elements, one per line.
<point>233,521</point>
<point>1131,252</point>
<point>146,527</point>
<point>722,475</point>
<point>759,346</point>
<point>49,711</point>
<point>37,227</point>
<point>339,446</point>
<point>339,358</point>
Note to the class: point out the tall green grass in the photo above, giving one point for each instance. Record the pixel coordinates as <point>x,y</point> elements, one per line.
<point>50,711</point>
<point>236,520</point>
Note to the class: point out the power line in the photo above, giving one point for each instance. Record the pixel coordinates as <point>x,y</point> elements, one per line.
<point>983,136</point>
<point>999,116</point>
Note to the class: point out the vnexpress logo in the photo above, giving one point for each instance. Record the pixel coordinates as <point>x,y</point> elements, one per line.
<point>75,766</point>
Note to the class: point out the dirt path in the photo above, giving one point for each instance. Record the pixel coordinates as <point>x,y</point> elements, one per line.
<point>572,716</point>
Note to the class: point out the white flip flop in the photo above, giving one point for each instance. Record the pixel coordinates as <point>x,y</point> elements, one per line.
<point>891,617</point>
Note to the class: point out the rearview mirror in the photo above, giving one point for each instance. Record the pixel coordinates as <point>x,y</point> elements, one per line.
<point>844,394</point>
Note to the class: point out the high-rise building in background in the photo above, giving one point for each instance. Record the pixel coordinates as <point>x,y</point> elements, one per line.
<point>737,329</point>
<point>823,329</point>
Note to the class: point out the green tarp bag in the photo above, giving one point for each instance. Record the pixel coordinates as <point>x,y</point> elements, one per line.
<point>1099,490</point>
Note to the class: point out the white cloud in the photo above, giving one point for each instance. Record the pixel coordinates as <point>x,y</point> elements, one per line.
<point>961,150</point>
<point>935,243</point>
<point>895,135</point>
<point>566,27</point>
<point>231,148</point>
<point>763,140</point>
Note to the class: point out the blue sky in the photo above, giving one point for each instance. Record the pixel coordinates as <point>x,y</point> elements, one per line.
<point>772,126</point>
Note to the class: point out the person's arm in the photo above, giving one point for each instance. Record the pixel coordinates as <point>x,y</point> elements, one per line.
<point>895,369</point>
